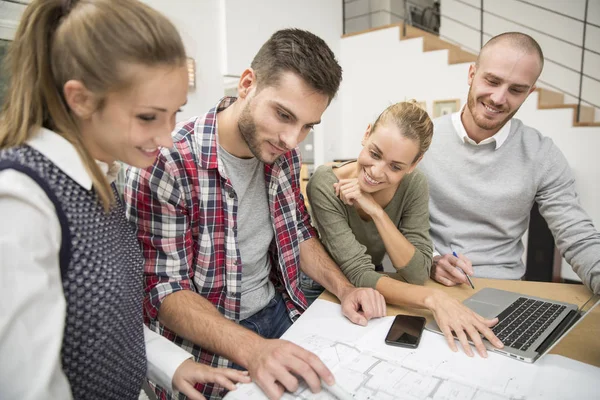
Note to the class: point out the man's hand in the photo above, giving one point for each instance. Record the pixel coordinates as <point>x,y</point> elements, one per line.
<point>277,364</point>
<point>453,316</point>
<point>189,373</point>
<point>444,269</point>
<point>359,305</point>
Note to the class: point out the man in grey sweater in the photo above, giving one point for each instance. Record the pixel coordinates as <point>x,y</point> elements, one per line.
<point>486,170</point>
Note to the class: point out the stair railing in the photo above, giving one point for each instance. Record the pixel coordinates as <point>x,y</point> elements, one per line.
<point>414,16</point>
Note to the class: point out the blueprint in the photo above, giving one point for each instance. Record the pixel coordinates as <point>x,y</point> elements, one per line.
<point>366,368</point>
<point>366,375</point>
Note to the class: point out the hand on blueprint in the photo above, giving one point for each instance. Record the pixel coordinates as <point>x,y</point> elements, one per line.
<point>277,364</point>
<point>445,269</point>
<point>359,305</point>
<point>452,316</point>
<point>189,373</point>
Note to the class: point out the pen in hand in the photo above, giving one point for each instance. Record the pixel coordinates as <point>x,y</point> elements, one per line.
<point>461,270</point>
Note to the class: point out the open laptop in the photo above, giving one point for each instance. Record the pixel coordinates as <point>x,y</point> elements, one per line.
<point>528,326</point>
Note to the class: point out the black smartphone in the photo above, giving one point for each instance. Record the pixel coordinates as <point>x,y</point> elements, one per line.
<point>405,331</point>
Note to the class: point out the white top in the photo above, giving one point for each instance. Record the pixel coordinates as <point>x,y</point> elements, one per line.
<point>32,304</point>
<point>499,137</point>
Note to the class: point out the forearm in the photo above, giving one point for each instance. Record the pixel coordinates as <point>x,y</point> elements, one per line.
<point>196,319</point>
<point>398,248</point>
<point>406,294</point>
<point>316,263</point>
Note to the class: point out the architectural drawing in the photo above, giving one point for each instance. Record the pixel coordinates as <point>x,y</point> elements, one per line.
<point>370,376</point>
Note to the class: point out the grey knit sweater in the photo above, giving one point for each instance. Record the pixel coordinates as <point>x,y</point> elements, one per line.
<point>481,197</point>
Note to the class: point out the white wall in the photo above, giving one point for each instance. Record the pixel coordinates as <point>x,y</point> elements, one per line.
<point>248,24</point>
<point>198,22</point>
<point>10,14</point>
<point>404,71</point>
<point>537,22</point>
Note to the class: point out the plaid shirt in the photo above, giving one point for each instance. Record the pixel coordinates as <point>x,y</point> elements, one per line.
<point>185,211</point>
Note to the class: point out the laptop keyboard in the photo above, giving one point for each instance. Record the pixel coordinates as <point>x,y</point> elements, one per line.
<point>521,323</point>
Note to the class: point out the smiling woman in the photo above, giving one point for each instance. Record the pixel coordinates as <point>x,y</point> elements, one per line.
<point>378,204</point>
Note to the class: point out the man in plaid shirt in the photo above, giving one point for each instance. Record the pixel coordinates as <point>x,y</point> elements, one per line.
<point>224,229</point>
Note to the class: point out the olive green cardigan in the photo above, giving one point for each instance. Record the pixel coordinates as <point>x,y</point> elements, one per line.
<point>355,244</point>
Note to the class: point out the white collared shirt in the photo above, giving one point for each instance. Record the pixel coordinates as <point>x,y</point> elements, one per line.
<point>32,303</point>
<point>499,138</point>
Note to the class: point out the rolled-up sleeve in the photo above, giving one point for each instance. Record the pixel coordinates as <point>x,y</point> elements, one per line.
<point>156,205</point>
<point>304,227</point>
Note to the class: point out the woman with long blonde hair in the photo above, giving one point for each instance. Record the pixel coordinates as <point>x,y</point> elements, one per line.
<point>93,82</point>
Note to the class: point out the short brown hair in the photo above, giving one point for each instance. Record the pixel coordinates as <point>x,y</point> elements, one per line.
<point>303,53</point>
<point>414,123</point>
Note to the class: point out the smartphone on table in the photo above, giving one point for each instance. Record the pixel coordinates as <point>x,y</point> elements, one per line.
<point>406,331</point>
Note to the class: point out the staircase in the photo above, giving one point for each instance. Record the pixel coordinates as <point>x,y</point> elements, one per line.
<point>547,99</point>
<point>380,70</point>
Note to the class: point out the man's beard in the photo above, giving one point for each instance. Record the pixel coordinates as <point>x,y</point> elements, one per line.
<point>483,122</point>
<point>247,128</point>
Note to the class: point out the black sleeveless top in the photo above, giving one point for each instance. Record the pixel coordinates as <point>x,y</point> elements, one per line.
<point>103,350</point>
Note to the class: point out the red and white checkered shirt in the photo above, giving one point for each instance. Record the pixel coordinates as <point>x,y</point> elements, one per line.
<point>185,212</point>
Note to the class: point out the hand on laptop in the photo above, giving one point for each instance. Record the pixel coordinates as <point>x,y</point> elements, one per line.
<point>445,269</point>
<point>452,316</point>
<point>277,364</point>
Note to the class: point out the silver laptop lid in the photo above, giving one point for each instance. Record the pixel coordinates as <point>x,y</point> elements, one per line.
<point>582,312</point>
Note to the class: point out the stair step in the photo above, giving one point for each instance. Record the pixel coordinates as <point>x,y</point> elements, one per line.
<point>432,42</point>
<point>549,97</point>
<point>586,124</point>
<point>586,116</point>
<point>460,56</point>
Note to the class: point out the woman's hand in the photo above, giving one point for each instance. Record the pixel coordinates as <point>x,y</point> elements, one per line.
<point>452,316</point>
<point>349,191</point>
<point>189,373</point>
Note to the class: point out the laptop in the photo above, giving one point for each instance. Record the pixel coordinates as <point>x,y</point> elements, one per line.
<point>528,326</point>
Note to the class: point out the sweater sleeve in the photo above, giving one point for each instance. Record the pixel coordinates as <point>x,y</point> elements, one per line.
<point>414,226</point>
<point>573,230</point>
<point>331,218</point>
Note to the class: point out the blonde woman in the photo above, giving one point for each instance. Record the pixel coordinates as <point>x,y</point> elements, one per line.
<point>93,82</point>
<point>378,204</point>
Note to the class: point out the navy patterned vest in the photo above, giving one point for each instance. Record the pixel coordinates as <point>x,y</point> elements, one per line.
<point>103,351</point>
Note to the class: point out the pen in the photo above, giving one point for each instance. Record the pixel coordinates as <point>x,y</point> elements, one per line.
<point>460,269</point>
